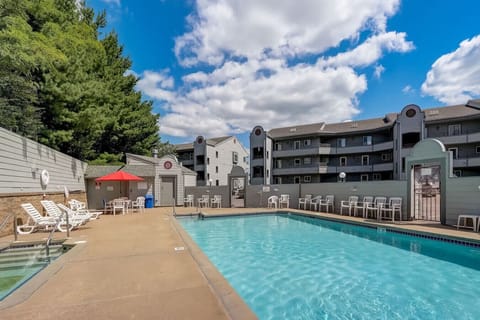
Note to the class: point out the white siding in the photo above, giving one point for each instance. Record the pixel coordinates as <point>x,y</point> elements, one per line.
<point>224,161</point>
<point>22,160</point>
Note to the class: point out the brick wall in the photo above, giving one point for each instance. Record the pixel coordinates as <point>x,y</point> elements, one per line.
<point>11,203</point>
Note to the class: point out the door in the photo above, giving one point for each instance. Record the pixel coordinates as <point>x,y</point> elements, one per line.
<point>167,191</point>
<point>426,192</point>
<point>237,192</point>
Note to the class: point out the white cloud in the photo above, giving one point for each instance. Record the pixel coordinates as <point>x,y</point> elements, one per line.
<point>408,89</point>
<point>115,2</point>
<point>249,46</point>
<point>378,70</point>
<point>455,77</point>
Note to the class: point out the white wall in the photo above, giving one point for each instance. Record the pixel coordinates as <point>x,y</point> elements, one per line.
<point>224,161</point>
<point>22,160</point>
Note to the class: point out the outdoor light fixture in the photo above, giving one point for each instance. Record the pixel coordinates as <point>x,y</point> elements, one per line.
<point>342,176</point>
<point>210,182</point>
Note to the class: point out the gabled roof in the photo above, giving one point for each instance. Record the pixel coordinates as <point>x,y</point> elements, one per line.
<point>463,111</point>
<point>215,141</point>
<point>94,171</point>
<point>210,142</point>
<point>184,146</point>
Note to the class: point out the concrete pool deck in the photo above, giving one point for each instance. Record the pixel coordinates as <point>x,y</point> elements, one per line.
<point>126,267</point>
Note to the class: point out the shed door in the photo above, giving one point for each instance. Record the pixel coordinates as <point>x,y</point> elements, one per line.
<point>167,191</point>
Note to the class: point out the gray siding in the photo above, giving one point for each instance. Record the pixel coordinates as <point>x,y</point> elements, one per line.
<point>22,160</point>
<point>463,197</point>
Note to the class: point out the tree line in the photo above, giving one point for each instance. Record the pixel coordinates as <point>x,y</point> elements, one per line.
<point>65,86</point>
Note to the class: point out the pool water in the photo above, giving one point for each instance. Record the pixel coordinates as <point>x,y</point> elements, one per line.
<point>294,267</point>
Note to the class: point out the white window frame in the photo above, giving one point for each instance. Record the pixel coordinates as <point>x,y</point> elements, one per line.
<point>367,140</point>
<point>296,179</point>
<point>342,142</point>
<point>297,162</point>
<point>307,179</point>
<point>340,163</point>
<point>454,153</point>
<point>364,177</point>
<point>307,142</point>
<point>386,156</point>
<point>296,144</point>
<point>305,161</point>
<point>368,160</point>
<point>234,157</point>
<point>279,163</point>
<point>377,176</point>
<point>454,129</point>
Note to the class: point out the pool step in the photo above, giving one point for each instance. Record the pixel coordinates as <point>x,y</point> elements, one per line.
<point>19,258</point>
<point>21,265</point>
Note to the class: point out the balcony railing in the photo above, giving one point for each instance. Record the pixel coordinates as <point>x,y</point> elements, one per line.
<point>329,149</point>
<point>462,138</point>
<point>323,168</point>
<point>466,162</point>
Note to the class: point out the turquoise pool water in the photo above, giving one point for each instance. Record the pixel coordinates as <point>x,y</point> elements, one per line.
<point>294,267</point>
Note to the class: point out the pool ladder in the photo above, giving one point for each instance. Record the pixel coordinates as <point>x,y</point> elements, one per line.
<point>50,236</point>
<point>4,223</point>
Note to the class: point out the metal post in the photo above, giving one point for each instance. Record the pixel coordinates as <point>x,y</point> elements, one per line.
<point>68,225</point>
<point>15,227</point>
<point>173,207</point>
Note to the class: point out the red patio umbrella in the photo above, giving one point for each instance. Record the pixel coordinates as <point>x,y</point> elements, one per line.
<point>119,176</point>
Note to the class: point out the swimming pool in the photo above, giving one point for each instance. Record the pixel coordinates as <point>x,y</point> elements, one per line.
<point>295,267</point>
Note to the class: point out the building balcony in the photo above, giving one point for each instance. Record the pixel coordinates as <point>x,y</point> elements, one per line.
<point>383,167</point>
<point>466,162</point>
<point>460,139</point>
<point>200,167</point>
<point>186,162</point>
<point>329,149</point>
<point>257,162</point>
<point>295,152</point>
<point>311,169</point>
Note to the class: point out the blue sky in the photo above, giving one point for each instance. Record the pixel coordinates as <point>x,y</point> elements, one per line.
<point>217,68</point>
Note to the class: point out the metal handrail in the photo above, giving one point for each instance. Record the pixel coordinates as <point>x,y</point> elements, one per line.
<point>47,243</point>
<point>173,207</point>
<point>4,223</point>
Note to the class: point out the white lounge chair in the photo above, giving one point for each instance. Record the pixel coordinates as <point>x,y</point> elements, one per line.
<point>304,201</point>
<point>272,202</point>
<point>284,201</point>
<point>349,204</point>
<point>56,212</point>
<point>328,202</point>
<point>139,204</point>
<point>216,201</point>
<point>314,202</point>
<point>36,221</point>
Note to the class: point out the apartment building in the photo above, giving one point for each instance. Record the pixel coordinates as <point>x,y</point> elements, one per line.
<point>213,159</point>
<point>371,149</point>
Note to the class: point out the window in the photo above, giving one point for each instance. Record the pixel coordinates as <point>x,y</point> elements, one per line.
<point>411,113</point>
<point>277,180</point>
<point>268,173</point>
<point>365,160</point>
<point>454,129</point>
<point>296,162</point>
<point>216,169</point>
<point>377,176</point>
<point>296,179</point>
<point>307,179</point>
<point>454,152</point>
<point>217,183</point>
<point>267,154</point>
<point>208,176</point>
<point>296,145</point>
<point>234,157</point>
<point>307,142</point>
<point>208,161</point>
<point>386,156</point>
<point>403,164</point>
<point>307,160</point>
<point>342,142</point>
<point>364,177</point>
<point>257,153</point>
<point>343,161</point>
<point>367,140</point>
<point>457,173</point>
<point>258,172</point>
<point>410,139</point>
<point>279,164</point>
<point>477,148</point>
<point>278,146</point>
<point>216,154</point>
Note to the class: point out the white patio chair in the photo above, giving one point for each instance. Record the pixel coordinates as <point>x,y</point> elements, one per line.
<point>118,204</point>
<point>272,202</point>
<point>284,201</point>
<point>216,201</point>
<point>349,204</point>
<point>328,202</point>
<point>188,201</point>
<point>366,202</point>
<point>139,204</point>
<point>314,202</point>
<point>304,201</point>
<point>375,207</point>
<point>394,206</point>
<point>204,201</point>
